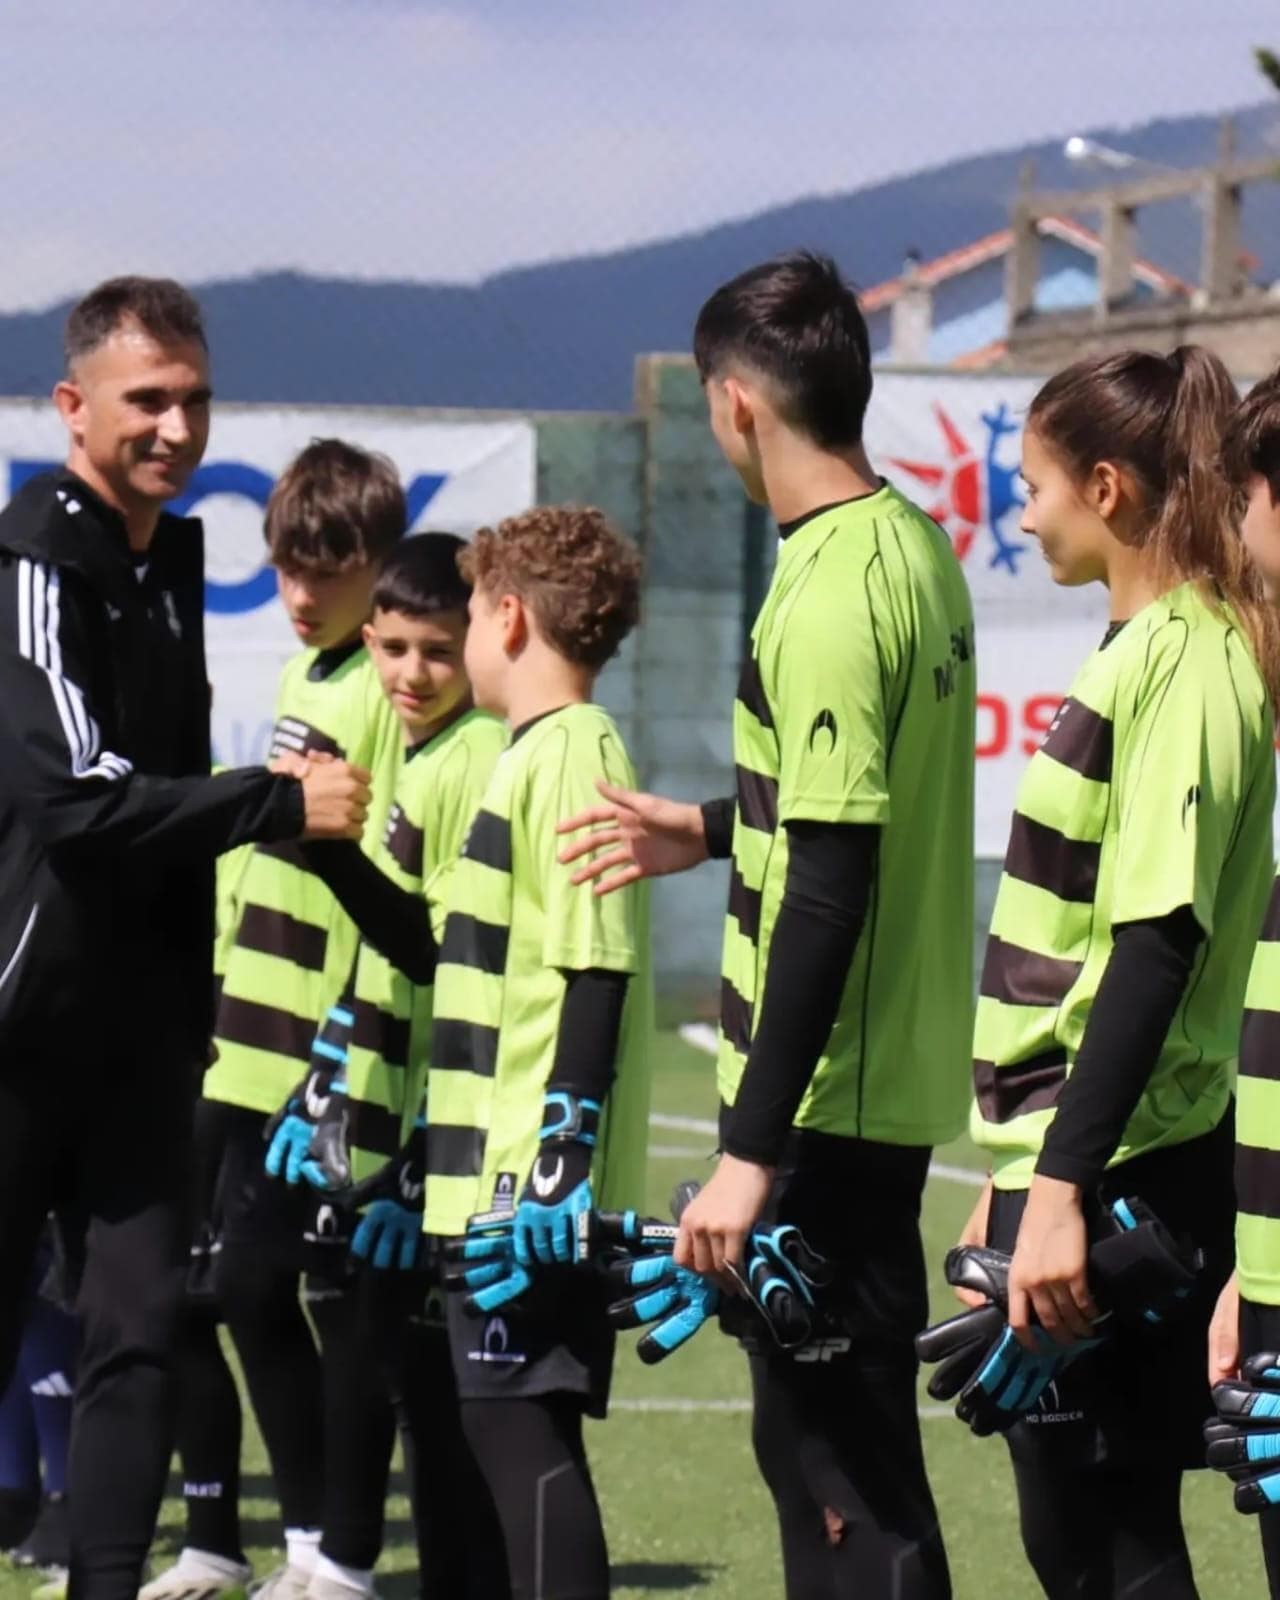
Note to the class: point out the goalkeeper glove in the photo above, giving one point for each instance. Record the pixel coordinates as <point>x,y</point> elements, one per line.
<point>673,1298</point>
<point>483,1262</point>
<point>389,1232</point>
<point>1139,1275</point>
<point>307,1137</point>
<point>1244,1440</point>
<point>781,1279</point>
<point>559,1188</point>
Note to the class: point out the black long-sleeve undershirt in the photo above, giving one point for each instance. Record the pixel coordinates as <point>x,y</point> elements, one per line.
<point>830,869</point>
<point>587,1040</point>
<point>395,921</point>
<point>1137,1000</point>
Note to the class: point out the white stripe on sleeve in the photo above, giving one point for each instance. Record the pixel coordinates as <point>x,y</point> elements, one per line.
<point>39,616</point>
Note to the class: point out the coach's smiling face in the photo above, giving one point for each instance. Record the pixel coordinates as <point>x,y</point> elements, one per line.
<point>138,414</point>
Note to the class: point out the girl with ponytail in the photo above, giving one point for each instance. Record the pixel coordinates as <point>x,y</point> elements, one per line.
<point>1111,993</point>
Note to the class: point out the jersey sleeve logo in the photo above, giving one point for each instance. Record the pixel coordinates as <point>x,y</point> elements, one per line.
<point>823,730</point>
<point>1190,800</point>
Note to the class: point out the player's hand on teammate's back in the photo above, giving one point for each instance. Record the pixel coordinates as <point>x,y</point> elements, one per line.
<point>633,836</point>
<point>715,1224</point>
<point>1048,1277</point>
<point>336,796</point>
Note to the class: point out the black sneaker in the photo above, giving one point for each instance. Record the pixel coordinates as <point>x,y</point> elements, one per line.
<point>48,1544</point>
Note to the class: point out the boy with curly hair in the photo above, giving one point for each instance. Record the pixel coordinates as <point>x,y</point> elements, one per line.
<point>538,1086</point>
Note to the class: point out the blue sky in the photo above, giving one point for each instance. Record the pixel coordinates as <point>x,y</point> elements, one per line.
<point>398,139</point>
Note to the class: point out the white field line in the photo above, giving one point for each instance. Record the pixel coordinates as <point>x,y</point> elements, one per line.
<point>703,1126</point>
<point>927,1413</point>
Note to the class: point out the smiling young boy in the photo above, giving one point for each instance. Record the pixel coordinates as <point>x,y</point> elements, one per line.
<point>366,1085</point>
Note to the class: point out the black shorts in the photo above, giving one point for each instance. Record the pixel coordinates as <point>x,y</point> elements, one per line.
<point>297,1228</point>
<point>555,1340</point>
<point>1142,1395</point>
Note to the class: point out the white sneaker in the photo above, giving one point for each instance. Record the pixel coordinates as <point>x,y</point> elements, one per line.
<point>285,1583</point>
<point>194,1576</point>
<point>324,1588</point>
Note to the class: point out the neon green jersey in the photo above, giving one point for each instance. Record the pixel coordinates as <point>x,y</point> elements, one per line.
<point>1258,1121</point>
<point>856,705</point>
<point>440,786</point>
<point>1153,790</point>
<point>293,946</point>
<point>515,927</point>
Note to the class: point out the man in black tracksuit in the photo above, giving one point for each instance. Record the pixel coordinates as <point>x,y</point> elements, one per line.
<point>109,826</point>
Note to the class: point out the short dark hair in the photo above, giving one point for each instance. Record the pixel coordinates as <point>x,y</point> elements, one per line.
<point>796,321</point>
<point>335,505</point>
<point>159,306</point>
<point>421,578</point>
<point>1251,438</point>
<point>579,577</point>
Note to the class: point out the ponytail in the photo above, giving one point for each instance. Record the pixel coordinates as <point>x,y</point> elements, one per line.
<point>1162,419</point>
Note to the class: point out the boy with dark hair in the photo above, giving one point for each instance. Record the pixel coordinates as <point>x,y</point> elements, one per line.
<point>1245,1332</point>
<point>358,1113</point>
<point>333,516</point>
<point>846,1006</point>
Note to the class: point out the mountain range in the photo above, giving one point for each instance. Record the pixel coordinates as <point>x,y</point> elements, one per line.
<point>564,335</point>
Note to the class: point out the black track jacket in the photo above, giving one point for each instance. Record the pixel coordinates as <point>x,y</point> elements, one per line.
<point>109,820</point>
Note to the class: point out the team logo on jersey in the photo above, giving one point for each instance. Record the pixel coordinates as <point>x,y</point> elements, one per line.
<point>976,493</point>
<point>823,731</point>
<point>504,1192</point>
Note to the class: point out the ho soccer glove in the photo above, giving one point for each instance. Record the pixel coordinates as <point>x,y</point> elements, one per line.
<point>1138,1273</point>
<point>781,1280</point>
<point>389,1232</point>
<point>307,1137</point>
<point>676,1300</point>
<point>483,1262</point>
<point>558,1192</point>
<point>1244,1439</point>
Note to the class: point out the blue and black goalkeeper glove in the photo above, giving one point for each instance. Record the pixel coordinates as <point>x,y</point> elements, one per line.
<point>1244,1438</point>
<point>676,1300</point>
<point>307,1137</point>
<point>1139,1275</point>
<point>483,1262</point>
<point>389,1233</point>
<point>781,1280</point>
<point>559,1188</point>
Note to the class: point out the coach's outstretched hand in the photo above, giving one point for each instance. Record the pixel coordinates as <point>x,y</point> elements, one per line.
<point>633,836</point>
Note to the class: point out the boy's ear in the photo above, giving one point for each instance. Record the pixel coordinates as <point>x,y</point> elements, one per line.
<point>514,621</point>
<point>741,406</point>
<point>367,634</point>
